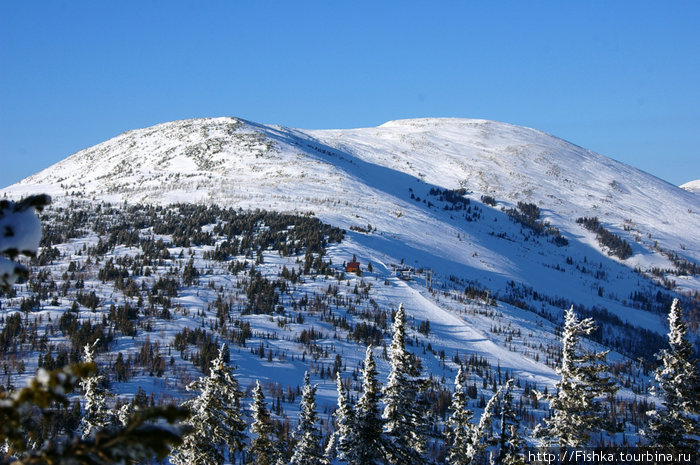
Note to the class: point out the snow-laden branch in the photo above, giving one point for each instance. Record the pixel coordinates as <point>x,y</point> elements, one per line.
<point>20,234</point>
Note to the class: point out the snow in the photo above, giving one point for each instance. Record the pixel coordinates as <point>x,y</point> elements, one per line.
<point>361,177</point>
<point>25,227</point>
<point>692,186</point>
<point>20,233</point>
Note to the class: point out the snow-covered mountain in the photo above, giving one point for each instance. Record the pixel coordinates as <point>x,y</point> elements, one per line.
<point>486,232</point>
<point>383,177</point>
<point>692,186</point>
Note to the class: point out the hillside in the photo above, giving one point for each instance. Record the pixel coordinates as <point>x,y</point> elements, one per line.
<point>383,177</point>
<point>163,242</point>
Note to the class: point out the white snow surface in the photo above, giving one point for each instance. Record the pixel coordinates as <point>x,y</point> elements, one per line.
<point>365,176</point>
<point>692,186</point>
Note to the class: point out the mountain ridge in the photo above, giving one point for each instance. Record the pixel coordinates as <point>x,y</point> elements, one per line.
<point>372,176</point>
<point>166,241</point>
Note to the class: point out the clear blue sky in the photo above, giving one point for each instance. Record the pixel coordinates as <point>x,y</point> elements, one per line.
<point>621,78</point>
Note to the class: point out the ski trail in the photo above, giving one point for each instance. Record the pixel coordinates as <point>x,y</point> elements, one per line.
<point>454,331</point>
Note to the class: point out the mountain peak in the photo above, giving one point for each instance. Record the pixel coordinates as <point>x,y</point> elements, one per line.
<point>388,176</point>
<point>692,186</point>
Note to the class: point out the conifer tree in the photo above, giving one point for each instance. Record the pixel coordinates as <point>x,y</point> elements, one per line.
<point>307,450</point>
<point>124,413</point>
<point>262,448</point>
<point>510,443</point>
<point>404,420</point>
<point>216,419</point>
<point>343,441</point>
<point>459,431</point>
<point>96,415</point>
<point>677,425</point>
<point>370,443</point>
<point>482,434</point>
<point>576,409</point>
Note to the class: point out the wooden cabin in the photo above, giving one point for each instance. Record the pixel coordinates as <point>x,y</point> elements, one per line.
<point>352,267</point>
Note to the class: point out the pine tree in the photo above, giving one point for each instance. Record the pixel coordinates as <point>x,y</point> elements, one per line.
<point>510,443</point>
<point>482,434</point>
<point>343,440</point>
<point>307,450</point>
<point>403,416</point>
<point>576,410</point>
<point>262,448</point>
<point>216,417</point>
<point>459,431</point>
<point>124,413</point>
<point>96,415</point>
<point>370,442</point>
<point>677,426</point>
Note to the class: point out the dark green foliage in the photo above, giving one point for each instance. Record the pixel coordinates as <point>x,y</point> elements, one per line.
<point>455,198</point>
<point>262,294</point>
<point>366,334</point>
<point>9,336</point>
<point>615,244</point>
<point>123,318</point>
<point>528,215</point>
<point>207,345</point>
<point>488,200</point>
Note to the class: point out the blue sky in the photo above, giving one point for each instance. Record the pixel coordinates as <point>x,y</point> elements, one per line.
<point>621,78</point>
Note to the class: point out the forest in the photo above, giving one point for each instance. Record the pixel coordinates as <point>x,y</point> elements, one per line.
<point>124,277</point>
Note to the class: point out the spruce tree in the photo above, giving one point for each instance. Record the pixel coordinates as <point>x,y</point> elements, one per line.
<point>576,409</point>
<point>262,448</point>
<point>459,431</point>
<point>370,443</point>
<point>96,415</point>
<point>676,426</point>
<point>482,434</point>
<point>307,450</point>
<point>404,420</point>
<point>343,440</point>
<point>510,443</point>
<point>216,419</point>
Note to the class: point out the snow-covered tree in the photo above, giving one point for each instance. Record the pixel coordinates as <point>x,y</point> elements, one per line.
<point>307,450</point>
<point>482,434</point>
<point>21,234</point>
<point>343,441</point>
<point>404,418</point>
<point>677,425</point>
<point>262,449</point>
<point>576,407</point>
<point>124,413</point>
<point>459,431</point>
<point>510,443</point>
<point>96,415</point>
<point>145,436</point>
<point>216,420</point>
<point>370,443</point>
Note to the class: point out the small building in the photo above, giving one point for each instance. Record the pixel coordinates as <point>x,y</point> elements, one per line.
<point>352,267</point>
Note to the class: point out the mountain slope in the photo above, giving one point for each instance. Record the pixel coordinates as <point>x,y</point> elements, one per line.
<point>360,177</point>
<point>484,231</point>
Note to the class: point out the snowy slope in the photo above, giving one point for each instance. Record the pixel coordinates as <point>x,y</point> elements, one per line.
<point>376,183</point>
<point>366,177</point>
